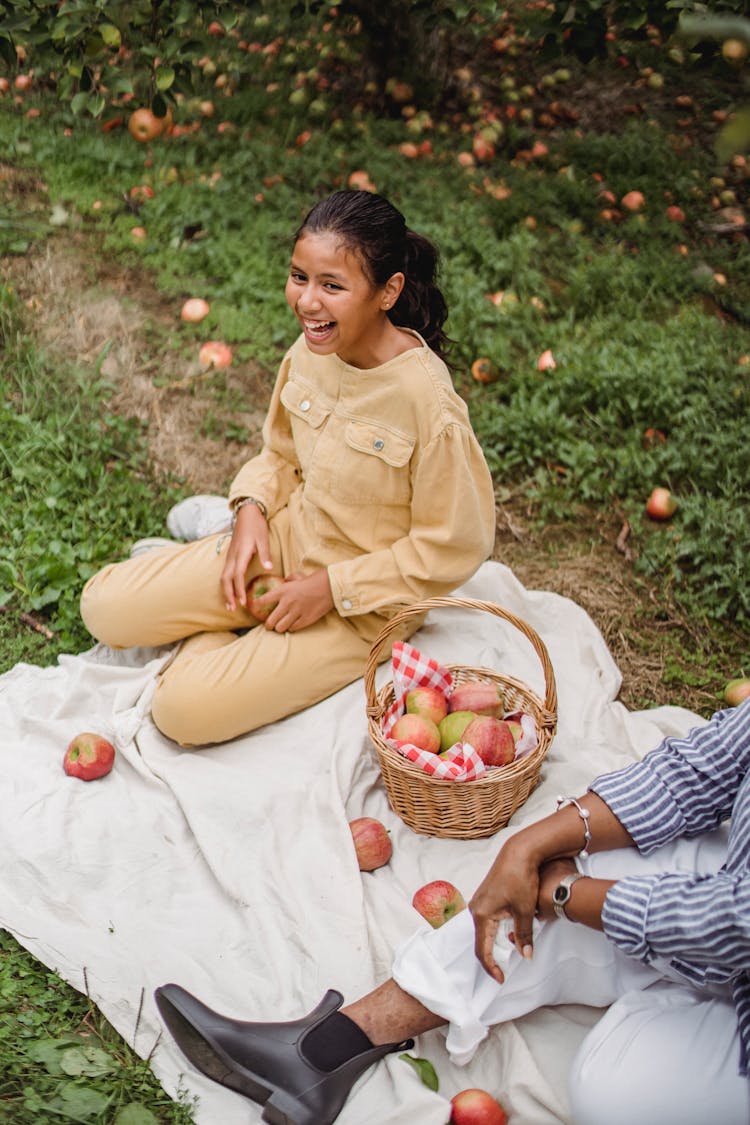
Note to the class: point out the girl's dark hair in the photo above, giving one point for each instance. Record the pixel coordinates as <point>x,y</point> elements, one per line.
<point>376,230</point>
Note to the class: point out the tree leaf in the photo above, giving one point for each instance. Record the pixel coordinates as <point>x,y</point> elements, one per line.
<point>110,34</point>
<point>164,77</point>
<point>424,1069</point>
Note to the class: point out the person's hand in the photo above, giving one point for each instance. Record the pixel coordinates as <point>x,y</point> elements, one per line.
<point>509,890</point>
<point>301,601</point>
<point>249,538</point>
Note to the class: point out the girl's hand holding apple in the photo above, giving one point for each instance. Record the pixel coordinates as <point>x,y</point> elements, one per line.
<point>301,601</point>
<point>249,538</point>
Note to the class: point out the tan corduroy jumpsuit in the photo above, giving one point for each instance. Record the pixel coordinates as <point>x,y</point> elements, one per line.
<point>374,474</point>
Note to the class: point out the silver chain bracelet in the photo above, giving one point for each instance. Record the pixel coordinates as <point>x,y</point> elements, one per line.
<point>584,815</point>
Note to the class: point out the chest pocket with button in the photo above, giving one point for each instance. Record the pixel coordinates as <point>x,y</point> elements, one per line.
<point>374,466</point>
<point>307,414</point>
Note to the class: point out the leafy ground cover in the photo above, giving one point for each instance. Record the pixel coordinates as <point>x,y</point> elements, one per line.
<point>519,172</point>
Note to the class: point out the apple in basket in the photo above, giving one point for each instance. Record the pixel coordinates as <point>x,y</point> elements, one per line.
<point>371,842</point>
<point>476,1107</point>
<point>452,727</point>
<point>427,701</point>
<point>417,730</point>
<point>478,696</point>
<point>492,739</point>
<point>438,901</point>
<point>260,585</point>
<point>89,756</point>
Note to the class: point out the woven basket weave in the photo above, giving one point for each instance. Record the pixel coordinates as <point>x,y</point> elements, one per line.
<point>462,809</point>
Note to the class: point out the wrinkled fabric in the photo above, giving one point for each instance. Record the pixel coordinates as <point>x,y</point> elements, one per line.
<point>231,870</point>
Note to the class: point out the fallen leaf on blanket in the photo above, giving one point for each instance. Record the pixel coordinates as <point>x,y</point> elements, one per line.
<point>424,1069</point>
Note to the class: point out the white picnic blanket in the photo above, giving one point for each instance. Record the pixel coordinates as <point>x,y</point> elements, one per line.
<point>231,871</point>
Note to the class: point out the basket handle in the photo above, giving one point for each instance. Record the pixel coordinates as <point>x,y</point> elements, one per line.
<point>417,610</point>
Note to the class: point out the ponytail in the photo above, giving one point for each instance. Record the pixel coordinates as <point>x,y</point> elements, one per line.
<point>376,230</point>
<point>421,304</point>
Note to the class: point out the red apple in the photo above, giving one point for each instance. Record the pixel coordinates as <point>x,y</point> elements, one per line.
<point>546,361</point>
<point>633,201</point>
<point>479,696</point>
<point>736,692</point>
<point>484,370</point>
<point>89,756</point>
<point>195,309</point>
<point>661,504</point>
<point>453,726</point>
<point>215,354</point>
<point>4,85</point>
<point>371,842</point>
<point>419,731</point>
<point>143,125</point>
<point>261,585</point>
<point>22,81</point>
<point>437,902</point>
<point>492,739</point>
<point>427,701</point>
<point>476,1107</point>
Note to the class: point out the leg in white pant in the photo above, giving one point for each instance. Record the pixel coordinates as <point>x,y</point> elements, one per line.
<point>573,964</point>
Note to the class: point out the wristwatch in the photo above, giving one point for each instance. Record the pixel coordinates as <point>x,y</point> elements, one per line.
<point>561,893</point>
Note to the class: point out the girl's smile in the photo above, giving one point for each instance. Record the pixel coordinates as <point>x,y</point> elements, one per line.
<point>338,307</point>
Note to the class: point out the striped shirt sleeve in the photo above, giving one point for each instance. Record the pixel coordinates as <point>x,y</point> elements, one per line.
<point>686,785</point>
<point>702,925</point>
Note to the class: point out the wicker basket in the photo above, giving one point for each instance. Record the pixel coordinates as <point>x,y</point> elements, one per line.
<point>462,809</point>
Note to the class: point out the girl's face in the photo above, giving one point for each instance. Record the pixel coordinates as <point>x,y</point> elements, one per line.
<point>335,302</point>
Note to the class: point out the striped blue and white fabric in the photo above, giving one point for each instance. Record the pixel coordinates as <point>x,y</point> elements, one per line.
<point>702,924</point>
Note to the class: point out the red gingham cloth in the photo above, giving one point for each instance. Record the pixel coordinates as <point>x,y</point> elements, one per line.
<point>412,669</point>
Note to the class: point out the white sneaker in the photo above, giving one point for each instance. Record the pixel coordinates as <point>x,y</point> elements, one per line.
<point>152,543</point>
<point>199,516</point>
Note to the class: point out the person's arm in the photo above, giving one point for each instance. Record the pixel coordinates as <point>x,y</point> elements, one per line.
<point>702,924</point>
<point>511,887</point>
<point>684,786</point>
<point>274,473</point>
<point>451,531</point>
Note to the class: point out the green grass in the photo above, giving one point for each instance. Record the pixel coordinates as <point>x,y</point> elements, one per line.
<point>61,1061</point>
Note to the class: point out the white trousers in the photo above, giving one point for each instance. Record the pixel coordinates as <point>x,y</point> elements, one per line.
<point>664,1053</point>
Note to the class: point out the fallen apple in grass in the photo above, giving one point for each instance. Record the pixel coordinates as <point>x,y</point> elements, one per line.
<point>476,1107</point>
<point>479,696</point>
<point>736,692</point>
<point>661,504</point>
<point>194,310</point>
<point>371,842</point>
<point>89,756</point>
<point>438,901</point>
<point>261,585</point>
<point>215,354</point>
<point>428,702</point>
<point>418,731</point>
<point>492,739</point>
